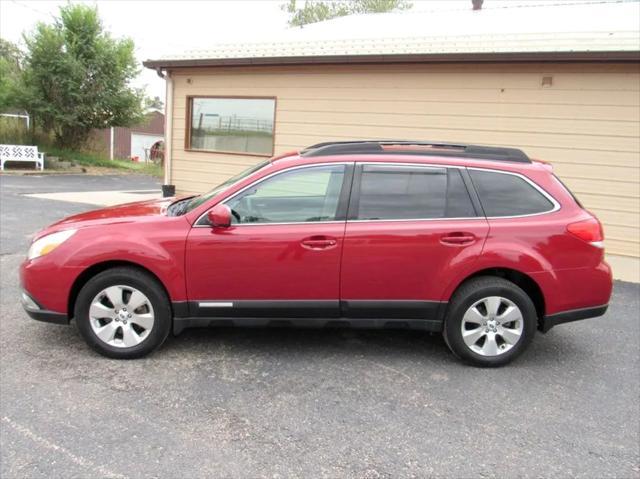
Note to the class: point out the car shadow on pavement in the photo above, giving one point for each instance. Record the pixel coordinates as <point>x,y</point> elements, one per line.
<point>282,343</point>
<point>417,346</point>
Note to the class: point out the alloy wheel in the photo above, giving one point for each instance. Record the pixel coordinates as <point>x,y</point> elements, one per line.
<point>121,316</point>
<point>492,326</point>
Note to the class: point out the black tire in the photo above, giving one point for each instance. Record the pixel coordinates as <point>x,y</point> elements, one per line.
<point>146,284</point>
<point>475,290</point>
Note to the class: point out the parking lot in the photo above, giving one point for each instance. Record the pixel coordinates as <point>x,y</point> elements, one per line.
<point>293,403</point>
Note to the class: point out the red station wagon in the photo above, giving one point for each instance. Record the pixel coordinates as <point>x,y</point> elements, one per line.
<point>479,243</point>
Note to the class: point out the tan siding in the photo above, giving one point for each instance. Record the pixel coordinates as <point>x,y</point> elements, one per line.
<point>627,174</point>
<point>587,124</point>
<point>625,268</point>
<point>460,96</point>
<point>444,109</point>
<point>438,108</point>
<point>607,202</point>
<point>619,218</point>
<point>289,133</point>
<point>512,124</point>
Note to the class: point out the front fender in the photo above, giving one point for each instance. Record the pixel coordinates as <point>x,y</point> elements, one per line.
<point>158,247</point>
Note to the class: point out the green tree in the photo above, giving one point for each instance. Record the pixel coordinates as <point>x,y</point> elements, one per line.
<point>10,74</point>
<point>154,103</point>
<point>317,11</point>
<point>77,77</point>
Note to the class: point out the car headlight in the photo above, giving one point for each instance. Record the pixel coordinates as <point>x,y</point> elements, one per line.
<point>48,243</point>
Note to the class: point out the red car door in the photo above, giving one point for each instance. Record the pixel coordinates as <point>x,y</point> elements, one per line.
<point>411,230</point>
<point>281,255</point>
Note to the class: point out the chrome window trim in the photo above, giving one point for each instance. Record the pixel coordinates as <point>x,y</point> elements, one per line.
<point>419,219</point>
<point>542,191</point>
<point>408,165</point>
<point>236,225</point>
<point>556,205</point>
<point>257,182</point>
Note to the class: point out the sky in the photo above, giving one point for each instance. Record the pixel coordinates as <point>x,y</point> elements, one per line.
<point>157,27</point>
<point>161,27</point>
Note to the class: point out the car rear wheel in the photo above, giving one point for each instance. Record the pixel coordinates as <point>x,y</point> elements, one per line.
<point>123,313</point>
<point>490,321</point>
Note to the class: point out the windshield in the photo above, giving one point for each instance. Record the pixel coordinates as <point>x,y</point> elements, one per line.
<point>196,201</point>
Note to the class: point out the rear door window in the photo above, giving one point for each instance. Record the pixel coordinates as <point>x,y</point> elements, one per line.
<point>397,192</point>
<point>503,194</point>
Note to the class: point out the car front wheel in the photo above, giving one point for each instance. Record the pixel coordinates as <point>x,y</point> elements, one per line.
<point>123,313</point>
<point>490,321</point>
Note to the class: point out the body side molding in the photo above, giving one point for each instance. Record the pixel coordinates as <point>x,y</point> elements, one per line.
<point>365,314</point>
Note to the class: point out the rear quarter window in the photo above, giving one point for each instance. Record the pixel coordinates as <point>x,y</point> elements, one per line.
<point>503,194</point>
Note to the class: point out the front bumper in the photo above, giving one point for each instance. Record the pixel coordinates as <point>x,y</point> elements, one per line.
<point>35,311</point>
<point>552,320</point>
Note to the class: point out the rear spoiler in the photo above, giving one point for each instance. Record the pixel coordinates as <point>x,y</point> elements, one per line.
<point>547,165</point>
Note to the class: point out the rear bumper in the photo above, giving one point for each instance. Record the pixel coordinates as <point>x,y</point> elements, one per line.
<point>552,320</point>
<point>576,291</point>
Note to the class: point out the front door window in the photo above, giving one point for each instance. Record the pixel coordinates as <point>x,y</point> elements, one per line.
<point>303,195</point>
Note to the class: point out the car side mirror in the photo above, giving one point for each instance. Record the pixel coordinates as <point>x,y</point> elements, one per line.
<point>219,216</point>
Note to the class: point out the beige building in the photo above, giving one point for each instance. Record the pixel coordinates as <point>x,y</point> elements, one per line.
<point>567,92</point>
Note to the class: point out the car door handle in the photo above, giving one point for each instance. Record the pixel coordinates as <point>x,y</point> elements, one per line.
<point>319,242</point>
<point>457,238</point>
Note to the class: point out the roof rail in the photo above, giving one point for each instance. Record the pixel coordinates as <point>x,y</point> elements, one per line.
<point>421,148</point>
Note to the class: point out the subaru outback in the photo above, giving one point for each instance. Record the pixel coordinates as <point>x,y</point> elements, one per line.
<point>480,243</point>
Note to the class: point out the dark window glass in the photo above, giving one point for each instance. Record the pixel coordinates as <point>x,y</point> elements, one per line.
<point>458,201</point>
<point>407,192</point>
<point>237,125</point>
<point>297,196</point>
<point>508,195</point>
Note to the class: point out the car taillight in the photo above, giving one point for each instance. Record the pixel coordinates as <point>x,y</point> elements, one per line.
<point>588,230</point>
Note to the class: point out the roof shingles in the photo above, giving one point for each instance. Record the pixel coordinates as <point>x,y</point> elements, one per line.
<point>602,31</point>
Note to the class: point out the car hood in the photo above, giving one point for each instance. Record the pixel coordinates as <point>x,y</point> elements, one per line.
<point>115,214</point>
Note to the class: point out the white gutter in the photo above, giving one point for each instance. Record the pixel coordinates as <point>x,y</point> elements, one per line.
<point>168,128</point>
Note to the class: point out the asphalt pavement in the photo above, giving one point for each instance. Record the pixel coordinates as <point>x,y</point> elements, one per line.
<point>297,403</point>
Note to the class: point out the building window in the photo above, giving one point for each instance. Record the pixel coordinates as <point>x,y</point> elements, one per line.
<point>231,125</point>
